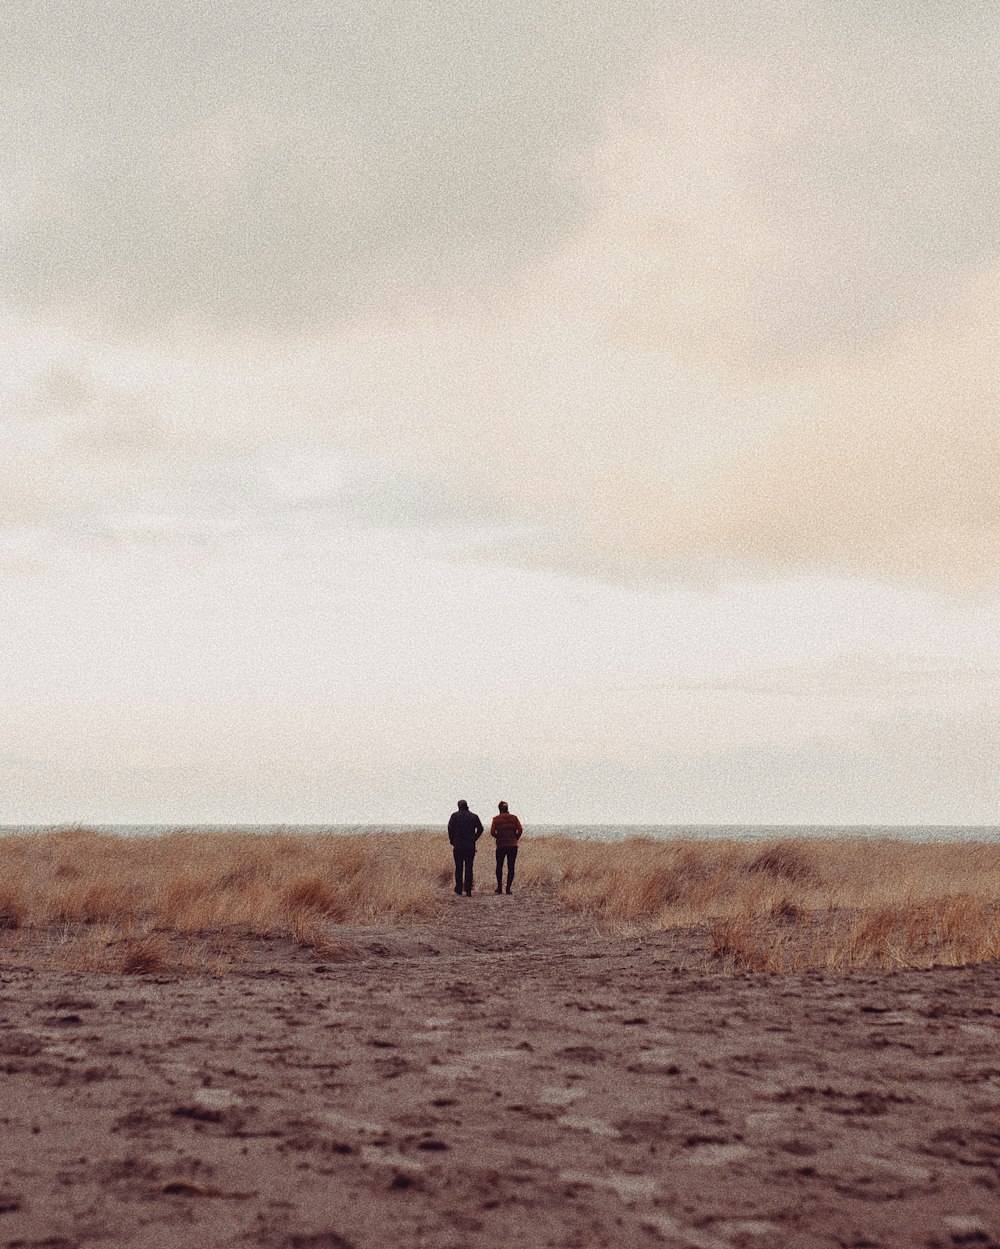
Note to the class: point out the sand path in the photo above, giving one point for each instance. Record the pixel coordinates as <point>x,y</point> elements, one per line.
<point>504,1077</point>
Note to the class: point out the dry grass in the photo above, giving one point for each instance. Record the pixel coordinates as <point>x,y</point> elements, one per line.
<point>191,900</point>
<point>793,903</point>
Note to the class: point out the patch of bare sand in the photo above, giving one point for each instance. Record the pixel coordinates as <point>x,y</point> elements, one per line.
<point>506,1077</point>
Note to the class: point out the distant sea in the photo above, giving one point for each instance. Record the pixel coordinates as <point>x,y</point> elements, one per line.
<point>586,832</point>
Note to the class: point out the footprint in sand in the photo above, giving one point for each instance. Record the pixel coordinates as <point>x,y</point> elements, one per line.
<point>471,1067</point>
<point>977,1030</point>
<point>758,1120</point>
<point>894,1166</point>
<point>560,1097</point>
<point>432,1028</point>
<point>337,1119</point>
<point>389,1158</point>
<point>453,1071</point>
<point>629,1187</point>
<point>659,1060</point>
<point>967,1227</point>
<point>216,1100</point>
<point>690,1236</point>
<point>181,1069</point>
<point>749,1227</point>
<point>585,1123</point>
<point>711,1154</point>
<point>72,1053</point>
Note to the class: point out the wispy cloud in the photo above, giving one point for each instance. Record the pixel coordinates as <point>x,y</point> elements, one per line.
<point>873,679</point>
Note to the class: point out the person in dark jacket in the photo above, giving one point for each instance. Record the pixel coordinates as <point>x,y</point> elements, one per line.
<point>506,831</point>
<point>464,830</point>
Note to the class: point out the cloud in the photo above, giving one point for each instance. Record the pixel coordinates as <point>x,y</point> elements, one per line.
<point>895,474</point>
<point>872,680</point>
<point>277,169</point>
<point>671,296</point>
<point>78,449</point>
<point>814,214</point>
<point>805,216</point>
<point>777,193</point>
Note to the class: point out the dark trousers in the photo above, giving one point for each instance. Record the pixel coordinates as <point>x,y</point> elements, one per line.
<point>510,854</point>
<point>464,858</point>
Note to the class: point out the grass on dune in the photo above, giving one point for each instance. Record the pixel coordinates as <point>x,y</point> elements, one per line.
<point>121,903</point>
<point>138,905</point>
<point>793,903</point>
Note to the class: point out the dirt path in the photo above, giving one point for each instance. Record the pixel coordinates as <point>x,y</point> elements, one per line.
<point>506,1077</point>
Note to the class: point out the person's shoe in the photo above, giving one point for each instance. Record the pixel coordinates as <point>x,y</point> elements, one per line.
<point>508,889</point>
<point>498,889</point>
<point>459,892</point>
<point>468,893</point>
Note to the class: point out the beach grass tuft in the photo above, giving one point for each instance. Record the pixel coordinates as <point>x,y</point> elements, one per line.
<point>113,903</point>
<point>793,904</point>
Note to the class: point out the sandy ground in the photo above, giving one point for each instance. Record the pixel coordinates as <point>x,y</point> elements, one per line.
<point>507,1077</point>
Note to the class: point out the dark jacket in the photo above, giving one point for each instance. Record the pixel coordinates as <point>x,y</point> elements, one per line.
<point>464,830</point>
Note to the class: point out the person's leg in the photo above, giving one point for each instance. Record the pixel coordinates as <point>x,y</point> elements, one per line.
<point>499,870</point>
<point>470,858</point>
<point>458,856</point>
<point>511,860</point>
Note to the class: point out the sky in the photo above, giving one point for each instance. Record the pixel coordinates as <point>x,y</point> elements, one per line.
<point>593,406</point>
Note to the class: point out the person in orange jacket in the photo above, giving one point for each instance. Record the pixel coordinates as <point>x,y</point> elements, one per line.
<point>506,831</point>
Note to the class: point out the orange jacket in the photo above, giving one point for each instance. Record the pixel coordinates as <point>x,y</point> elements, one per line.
<point>506,828</point>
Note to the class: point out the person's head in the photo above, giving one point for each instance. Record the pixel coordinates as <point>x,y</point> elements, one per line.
<point>503,806</point>
<point>462,805</point>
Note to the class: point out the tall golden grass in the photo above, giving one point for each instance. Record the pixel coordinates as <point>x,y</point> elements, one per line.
<point>113,903</point>
<point>119,902</point>
<point>793,903</point>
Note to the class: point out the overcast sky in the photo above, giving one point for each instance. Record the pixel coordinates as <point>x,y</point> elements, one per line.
<point>592,405</point>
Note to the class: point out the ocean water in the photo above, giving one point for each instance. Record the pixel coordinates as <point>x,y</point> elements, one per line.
<point>587,832</point>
